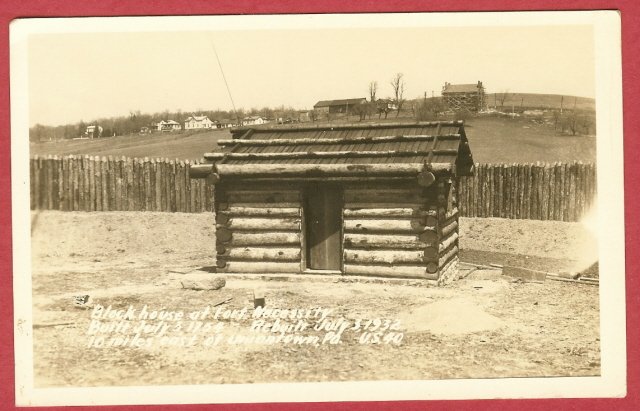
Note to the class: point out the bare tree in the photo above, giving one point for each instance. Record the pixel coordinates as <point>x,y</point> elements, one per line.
<point>502,97</point>
<point>398,91</point>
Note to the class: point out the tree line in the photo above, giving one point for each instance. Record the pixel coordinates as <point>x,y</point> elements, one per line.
<point>136,120</point>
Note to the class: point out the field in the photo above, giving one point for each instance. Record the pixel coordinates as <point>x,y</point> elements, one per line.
<point>541,101</point>
<point>482,326</point>
<point>492,140</point>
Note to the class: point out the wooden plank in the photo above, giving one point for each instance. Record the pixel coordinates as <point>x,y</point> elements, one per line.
<point>400,271</point>
<point>398,226</point>
<point>259,224</point>
<point>571,192</point>
<point>264,254</point>
<point>194,190</point>
<point>262,211</point>
<point>198,171</point>
<point>311,170</point>
<point>172,185</point>
<point>524,274</point>
<point>449,228</point>
<point>86,183</point>
<point>112,183</point>
<point>50,182</point>
<point>76,183</point>
<point>350,140</point>
<point>394,212</point>
<point>393,197</point>
<point>180,191</point>
<point>187,187</point>
<point>552,192</point>
<point>288,155</point>
<point>117,170</point>
<point>544,203</point>
<point>374,241</point>
<point>202,199</point>
<point>448,242</point>
<point>258,267</point>
<point>491,190</point>
<point>57,175</point>
<point>246,196</point>
<point>257,238</point>
<point>447,256</point>
<point>90,186</point>
<point>476,192</point>
<point>385,257</point>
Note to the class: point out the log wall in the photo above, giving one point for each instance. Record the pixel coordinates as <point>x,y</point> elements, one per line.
<point>258,229</point>
<point>390,232</point>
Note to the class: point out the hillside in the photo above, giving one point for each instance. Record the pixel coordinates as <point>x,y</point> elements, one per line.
<point>492,140</point>
<point>543,101</point>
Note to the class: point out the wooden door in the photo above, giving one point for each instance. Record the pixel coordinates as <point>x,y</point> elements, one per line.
<point>323,222</point>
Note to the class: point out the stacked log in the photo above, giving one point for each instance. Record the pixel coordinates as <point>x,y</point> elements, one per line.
<point>258,230</point>
<point>389,232</point>
<point>447,230</point>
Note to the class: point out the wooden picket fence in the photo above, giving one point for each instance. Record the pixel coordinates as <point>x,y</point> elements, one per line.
<point>85,183</point>
<point>562,192</point>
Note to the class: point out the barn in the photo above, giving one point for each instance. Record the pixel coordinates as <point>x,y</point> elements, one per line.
<point>370,200</point>
<point>344,106</point>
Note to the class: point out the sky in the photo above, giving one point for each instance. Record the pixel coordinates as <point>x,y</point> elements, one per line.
<point>85,76</point>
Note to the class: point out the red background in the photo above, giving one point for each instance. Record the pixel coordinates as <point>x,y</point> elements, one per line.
<point>630,12</point>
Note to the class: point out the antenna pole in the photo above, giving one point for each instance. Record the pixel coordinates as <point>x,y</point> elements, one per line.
<point>225,82</point>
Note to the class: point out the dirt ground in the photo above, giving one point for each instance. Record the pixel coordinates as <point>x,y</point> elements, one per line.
<point>482,326</point>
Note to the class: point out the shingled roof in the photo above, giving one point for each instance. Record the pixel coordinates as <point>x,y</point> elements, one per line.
<point>343,102</point>
<point>461,88</point>
<point>380,147</point>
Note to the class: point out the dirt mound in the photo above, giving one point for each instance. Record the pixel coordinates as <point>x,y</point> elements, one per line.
<point>449,317</point>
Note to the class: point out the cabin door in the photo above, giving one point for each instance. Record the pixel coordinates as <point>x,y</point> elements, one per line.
<point>323,223</point>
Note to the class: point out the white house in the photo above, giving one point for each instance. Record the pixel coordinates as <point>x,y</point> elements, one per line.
<point>196,122</point>
<point>169,125</point>
<point>93,132</point>
<point>253,120</point>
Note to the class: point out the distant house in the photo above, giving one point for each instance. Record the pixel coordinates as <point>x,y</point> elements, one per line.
<point>169,125</point>
<point>145,130</point>
<point>198,122</point>
<point>225,123</point>
<point>459,97</point>
<point>93,132</point>
<point>253,120</point>
<point>345,106</point>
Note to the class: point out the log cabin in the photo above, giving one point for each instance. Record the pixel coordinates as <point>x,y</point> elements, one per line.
<point>365,200</point>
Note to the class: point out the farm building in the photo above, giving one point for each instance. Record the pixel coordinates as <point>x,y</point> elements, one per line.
<point>197,122</point>
<point>356,200</point>
<point>254,120</point>
<point>168,125</point>
<point>225,123</point>
<point>458,97</point>
<point>345,106</point>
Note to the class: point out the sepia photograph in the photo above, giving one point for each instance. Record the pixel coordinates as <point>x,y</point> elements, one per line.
<point>318,207</point>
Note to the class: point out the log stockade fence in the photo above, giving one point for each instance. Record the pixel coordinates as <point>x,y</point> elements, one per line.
<point>559,191</point>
